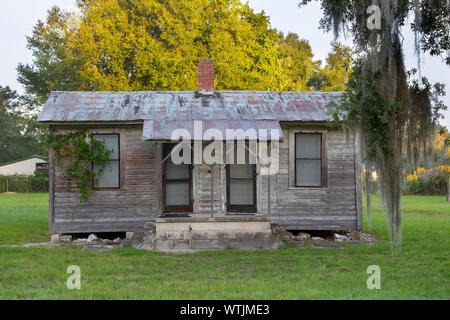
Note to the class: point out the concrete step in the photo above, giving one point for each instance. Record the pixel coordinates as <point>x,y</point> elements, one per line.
<point>218,244</point>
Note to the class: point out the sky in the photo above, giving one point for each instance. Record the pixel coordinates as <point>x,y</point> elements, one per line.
<point>18,17</point>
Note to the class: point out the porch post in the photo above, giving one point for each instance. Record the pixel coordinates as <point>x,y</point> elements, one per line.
<point>268,195</point>
<point>212,190</point>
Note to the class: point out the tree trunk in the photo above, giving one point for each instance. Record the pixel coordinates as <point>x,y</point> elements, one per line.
<point>448,173</point>
<point>368,202</point>
<point>448,188</point>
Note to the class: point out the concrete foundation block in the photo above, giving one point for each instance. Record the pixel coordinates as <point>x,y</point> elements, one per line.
<point>199,235</point>
<point>54,238</point>
<point>181,244</point>
<point>164,244</point>
<point>174,235</point>
<point>202,245</point>
<point>214,234</point>
<point>356,235</point>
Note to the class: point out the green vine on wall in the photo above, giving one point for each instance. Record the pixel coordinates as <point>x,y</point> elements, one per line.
<point>75,152</point>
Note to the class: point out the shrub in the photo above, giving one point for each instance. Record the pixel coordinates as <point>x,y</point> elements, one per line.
<point>428,181</point>
<point>39,181</point>
<point>23,183</point>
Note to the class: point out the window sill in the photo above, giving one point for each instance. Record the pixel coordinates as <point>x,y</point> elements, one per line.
<point>308,188</point>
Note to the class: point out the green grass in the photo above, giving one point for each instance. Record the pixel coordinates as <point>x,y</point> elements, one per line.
<point>23,218</point>
<point>421,271</point>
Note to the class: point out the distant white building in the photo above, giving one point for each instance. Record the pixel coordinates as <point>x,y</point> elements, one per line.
<point>25,166</point>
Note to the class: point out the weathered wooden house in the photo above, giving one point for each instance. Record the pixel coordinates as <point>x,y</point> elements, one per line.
<point>316,187</point>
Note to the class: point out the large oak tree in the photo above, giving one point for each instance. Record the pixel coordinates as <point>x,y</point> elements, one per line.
<point>156,45</point>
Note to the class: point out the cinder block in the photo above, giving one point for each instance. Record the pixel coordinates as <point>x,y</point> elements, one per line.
<point>164,244</point>
<point>202,245</point>
<point>262,235</point>
<point>175,235</point>
<point>179,226</point>
<point>54,238</point>
<point>164,226</point>
<point>356,235</point>
<point>212,234</point>
<point>223,244</point>
<point>129,235</point>
<point>226,235</point>
<point>182,244</point>
<point>160,235</point>
<point>200,235</point>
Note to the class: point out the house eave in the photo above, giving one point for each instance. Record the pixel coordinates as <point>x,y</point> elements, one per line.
<point>90,123</point>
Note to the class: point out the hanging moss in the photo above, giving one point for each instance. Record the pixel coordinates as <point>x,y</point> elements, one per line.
<point>389,112</point>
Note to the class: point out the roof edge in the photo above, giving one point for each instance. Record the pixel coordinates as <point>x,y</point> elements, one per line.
<point>23,159</point>
<point>193,91</point>
<point>93,122</point>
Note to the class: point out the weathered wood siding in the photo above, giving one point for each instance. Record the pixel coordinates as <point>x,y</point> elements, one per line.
<point>125,209</point>
<point>139,199</point>
<point>334,207</point>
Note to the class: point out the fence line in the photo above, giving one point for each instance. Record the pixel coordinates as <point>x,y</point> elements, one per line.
<point>23,183</point>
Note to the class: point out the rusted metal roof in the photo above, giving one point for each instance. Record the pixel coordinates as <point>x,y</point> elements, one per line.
<point>186,105</point>
<point>163,130</point>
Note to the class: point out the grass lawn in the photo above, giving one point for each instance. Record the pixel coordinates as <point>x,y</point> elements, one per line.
<point>421,271</point>
<point>23,218</point>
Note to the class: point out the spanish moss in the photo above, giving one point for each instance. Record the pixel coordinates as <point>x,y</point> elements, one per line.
<point>392,112</point>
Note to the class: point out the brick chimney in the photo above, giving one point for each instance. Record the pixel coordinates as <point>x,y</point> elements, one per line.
<point>206,76</point>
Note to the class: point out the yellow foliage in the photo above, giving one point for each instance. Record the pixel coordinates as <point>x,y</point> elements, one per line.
<point>442,169</point>
<point>412,177</point>
<point>439,142</point>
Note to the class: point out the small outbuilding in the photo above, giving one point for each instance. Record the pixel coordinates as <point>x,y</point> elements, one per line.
<point>25,166</point>
<point>311,181</point>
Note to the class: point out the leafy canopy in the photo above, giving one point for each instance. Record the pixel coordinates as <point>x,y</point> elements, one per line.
<point>156,45</point>
<point>335,74</point>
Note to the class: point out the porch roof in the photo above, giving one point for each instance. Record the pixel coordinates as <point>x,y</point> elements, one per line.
<point>164,130</point>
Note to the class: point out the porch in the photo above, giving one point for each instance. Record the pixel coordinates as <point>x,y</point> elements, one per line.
<point>198,232</point>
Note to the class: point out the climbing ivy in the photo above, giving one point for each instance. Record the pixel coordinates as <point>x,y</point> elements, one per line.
<point>75,152</point>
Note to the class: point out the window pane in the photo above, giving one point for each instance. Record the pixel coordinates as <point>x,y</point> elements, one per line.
<point>110,175</point>
<point>241,171</point>
<point>177,193</point>
<point>241,192</point>
<point>308,173</point>
<point>111,142</point>
<point>176,171</point>
<point>242,153</point>
<point>308,145</point>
